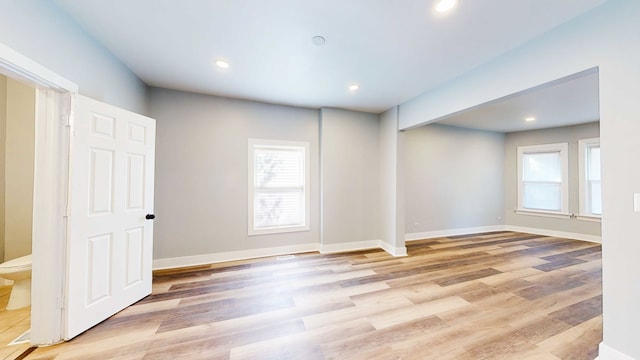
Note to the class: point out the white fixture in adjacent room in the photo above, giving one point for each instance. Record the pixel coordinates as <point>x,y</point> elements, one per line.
<point>18,270</point>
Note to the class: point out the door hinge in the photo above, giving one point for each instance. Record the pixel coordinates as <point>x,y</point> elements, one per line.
<point>60,302</point>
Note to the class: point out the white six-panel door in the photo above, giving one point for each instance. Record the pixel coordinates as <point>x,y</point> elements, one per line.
<point>109,255</point>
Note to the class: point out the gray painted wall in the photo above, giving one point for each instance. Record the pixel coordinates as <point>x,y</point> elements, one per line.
<point>604,38</point>
<point>568,134</point>
<point>40,31</point>
<point>350,171</point>
<point>202,168</point>
<point>453,178</point>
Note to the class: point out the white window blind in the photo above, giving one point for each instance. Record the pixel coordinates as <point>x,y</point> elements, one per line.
<point>543,178</point>
<point>278,191</point>
<point>590,182</point>
<point>593,179</point>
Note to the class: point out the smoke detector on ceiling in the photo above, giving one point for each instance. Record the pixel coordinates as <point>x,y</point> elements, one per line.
<point>318,40</point>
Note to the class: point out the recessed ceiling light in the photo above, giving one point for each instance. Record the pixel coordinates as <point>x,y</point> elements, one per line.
<point>222,64</point>
<point>354,87</point>
<point>530,119</point>
<point>443,6</point>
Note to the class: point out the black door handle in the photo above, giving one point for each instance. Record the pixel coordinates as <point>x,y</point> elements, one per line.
<point>150,217</point>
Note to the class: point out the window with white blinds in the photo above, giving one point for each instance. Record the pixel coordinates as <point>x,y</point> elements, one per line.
<point>590,185</point>
<point>278,191</point>
<point>542,171</point>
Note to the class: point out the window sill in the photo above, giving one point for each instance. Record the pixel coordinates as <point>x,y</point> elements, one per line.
<point>551,214</point>
<point>591,218</point>
<point>278,230</point>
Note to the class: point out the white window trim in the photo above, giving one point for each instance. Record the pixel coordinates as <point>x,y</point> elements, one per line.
<point>563,148</point>
<point>544,213</point>
<point>583,145</point>
<point>250,179</point>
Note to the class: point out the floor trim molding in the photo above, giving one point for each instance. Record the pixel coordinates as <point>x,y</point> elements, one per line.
<point>555,233</point>
<point>608,353</point>
<point>453,232</point>
<point>194,260</point>
<point>204,259</point>
<point>484,229</point>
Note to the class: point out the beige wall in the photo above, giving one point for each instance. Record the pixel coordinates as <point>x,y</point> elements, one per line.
<point>19,161</point>
<point>3,128</point>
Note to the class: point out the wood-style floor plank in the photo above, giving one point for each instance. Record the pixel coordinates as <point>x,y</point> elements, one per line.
<point>501,295</point>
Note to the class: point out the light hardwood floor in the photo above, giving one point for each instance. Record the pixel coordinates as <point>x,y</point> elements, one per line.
<point>487,296</point>
<point>13,323</point>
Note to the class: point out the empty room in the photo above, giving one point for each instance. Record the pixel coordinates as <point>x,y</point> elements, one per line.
<point>319,180</point>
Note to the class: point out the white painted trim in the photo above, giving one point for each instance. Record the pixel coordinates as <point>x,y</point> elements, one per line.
<point>194,260</point>
<point>563,149</point>
<point>204,259</point>
<point>51,184</point>
<point>253,145</point>
<point>608,353</point>
<point>555,233</point>
<point>485,229</point>
<point>49,235</point>
<point>583,155</point>
<point>590,218</point>
<point>16,65</point>
<point>550,214</point>
<point>395,251</point>
<point>453,232</point>
<point>349,246</point>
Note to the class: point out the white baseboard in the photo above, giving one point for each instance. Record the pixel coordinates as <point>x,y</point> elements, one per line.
<point>395,251</point>
<point>195,260</point>
<point>453,232</point>
<point>5,282</point>
<point>562,234</point>
<point>363,245</point>
<point>484,229</point>
<point>350,246</point>
<point>608,353</point>
<point>204,259</point>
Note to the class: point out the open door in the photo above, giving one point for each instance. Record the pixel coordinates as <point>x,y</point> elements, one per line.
<point>109,252</point>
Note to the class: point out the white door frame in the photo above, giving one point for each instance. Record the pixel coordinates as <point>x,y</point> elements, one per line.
<point>50,192</point>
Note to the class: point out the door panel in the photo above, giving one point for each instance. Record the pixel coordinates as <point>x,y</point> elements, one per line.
<point>109,253</point>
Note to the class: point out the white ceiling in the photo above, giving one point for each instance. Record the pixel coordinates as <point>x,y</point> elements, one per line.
<point>568,101</point>
<point>394,49</point>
